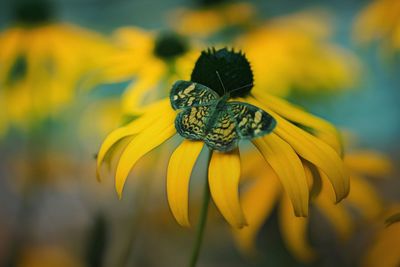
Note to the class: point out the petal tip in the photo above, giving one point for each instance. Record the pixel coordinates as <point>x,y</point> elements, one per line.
<point>185,224</point>
<point>98,176</point>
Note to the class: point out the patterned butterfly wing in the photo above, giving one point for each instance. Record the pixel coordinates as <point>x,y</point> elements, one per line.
<point>222,135</point>
<point>191,122</point>
<point>251,121</point>
<point>185,94</point>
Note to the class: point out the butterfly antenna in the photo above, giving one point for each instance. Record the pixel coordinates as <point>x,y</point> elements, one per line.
<point>220,80</point>
<point>241,87</point>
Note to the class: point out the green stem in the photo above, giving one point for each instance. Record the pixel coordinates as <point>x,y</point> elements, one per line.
<point>202,220</point>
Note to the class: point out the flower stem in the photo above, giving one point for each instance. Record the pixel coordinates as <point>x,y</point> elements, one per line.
<point>202,220</point>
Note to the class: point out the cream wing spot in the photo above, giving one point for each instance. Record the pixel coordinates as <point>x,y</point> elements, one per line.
<point>257,117</point>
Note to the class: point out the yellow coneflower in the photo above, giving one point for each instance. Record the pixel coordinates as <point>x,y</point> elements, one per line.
<point>212,17</point>
<point>380,21</point>
<point>264,192</point>
<point>287,54</point>
<point>151,60</point>
<point>284,148</point>
<point>41,63</point>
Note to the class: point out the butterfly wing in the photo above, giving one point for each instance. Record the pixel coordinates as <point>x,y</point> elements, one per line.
<point>251,121</point>
<point>191,122</point>
<point>222,135</point>
<point>186,94</point>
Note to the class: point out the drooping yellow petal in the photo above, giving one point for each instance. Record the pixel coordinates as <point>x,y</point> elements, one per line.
<point>336,214</point>
<point>180,168</point>
<point>364,197</point>
<point>223,177</point>
<point>154,112</point>
<point>314,179</point>
<point>323,130</point>
<point>318,153</point>
<point>288,168</point>
<point>294,232</point>
<point>315,151</point>
<point>157,133</point>
<point>257,202</point>
<point>369,163</point>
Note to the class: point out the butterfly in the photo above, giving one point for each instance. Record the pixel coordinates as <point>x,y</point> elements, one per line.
<point>213,119</point>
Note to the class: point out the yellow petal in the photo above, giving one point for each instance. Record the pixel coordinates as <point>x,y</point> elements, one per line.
<point>144,88</point>
<point>223,177</point>
<point>364,197</point>
<point>318,153</point>
<point>314,179</point>
<point>289,169</point>
<point>132,128</point>
<point>314,150</point>
<point>180,168</point>
<point>257,202</point>
<point>369,163</point>
<point>161,130</point>
<point>323,130</point>
<point>294,232</point>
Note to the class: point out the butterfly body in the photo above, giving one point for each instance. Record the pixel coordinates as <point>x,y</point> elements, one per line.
<point>214,119</point>
<point>216,108</point>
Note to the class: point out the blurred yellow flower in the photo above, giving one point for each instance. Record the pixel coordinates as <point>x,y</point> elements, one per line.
<point>380,20</point>
<point>283,149</point>
<point>294,52</point>
<point>40,67</point>
<point>150,60</point>
<point>263,192</point>
<point>211,19</point>
<point>384,248</point>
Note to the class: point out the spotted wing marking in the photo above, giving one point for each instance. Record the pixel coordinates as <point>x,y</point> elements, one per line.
<point>222,136</point>
<point>191,122</point>
<point>251,121</point>
<point>185,94</point>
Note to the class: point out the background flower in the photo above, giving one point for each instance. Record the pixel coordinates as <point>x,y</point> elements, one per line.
<point>41,66</point>
<point>379,21</point>
<point>262,192</point>
<point>287,54</point>
<point>151,61</point>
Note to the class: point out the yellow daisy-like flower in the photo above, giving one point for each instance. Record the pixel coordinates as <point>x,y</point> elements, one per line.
<point>294,53</point>
<point>41,63</point>
<point>380,20</point>
<point>264,191</point>
<point>151,60</point>
<point>213,18</point>
<point>285,149</point>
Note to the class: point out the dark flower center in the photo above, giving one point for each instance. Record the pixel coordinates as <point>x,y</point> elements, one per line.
<point>33,11</point>
<point>233,69</point>
<point>169,46</point>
